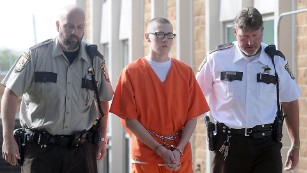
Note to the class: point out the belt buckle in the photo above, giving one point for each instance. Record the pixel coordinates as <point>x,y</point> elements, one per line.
<point>247,132</point>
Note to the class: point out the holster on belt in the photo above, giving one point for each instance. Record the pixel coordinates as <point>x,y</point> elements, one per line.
<point>79,139</point>
<point>20,138</point>
<point>44,139</point>
<point>210,133</point>
<point>277,127</point>
<point>93,134</point>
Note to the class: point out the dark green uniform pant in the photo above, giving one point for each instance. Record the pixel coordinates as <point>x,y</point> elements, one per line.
<point>248,155</point>
<point>60,159</point>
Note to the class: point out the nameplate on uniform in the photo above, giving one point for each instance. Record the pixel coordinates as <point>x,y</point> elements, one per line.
<point>266,78</point>
<point>231,76</point>
<point>45,77</point>
<point>88,84</point>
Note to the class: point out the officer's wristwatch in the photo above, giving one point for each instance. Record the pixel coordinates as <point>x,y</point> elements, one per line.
<point>102,139</point>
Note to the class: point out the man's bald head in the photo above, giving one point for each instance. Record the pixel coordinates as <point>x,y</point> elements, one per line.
<point>69,11</point>
<point>70,25</point>
<point>152,24</point>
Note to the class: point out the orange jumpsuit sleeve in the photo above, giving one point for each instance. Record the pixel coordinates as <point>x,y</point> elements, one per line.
<point>198,104</point>
<point>123,104</point>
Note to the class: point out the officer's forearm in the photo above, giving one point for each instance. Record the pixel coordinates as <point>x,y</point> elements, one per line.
<point>8,112</point>
<point>291,109</point>
<point>104,119</point>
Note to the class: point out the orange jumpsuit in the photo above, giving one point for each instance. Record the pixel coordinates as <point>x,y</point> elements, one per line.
<point>161,107</point>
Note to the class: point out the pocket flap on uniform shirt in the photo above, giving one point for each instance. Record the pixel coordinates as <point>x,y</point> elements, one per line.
<point>88,84</point>
<point>231,76</point>
<point>45,77</point>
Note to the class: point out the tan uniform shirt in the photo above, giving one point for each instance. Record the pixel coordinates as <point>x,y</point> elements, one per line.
<point>57,96</point>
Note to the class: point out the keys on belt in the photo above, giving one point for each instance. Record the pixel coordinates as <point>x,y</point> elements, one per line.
<point>257,132</point>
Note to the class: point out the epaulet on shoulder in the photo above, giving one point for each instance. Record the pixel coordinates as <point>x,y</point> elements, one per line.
<point>279,53</point>
<point>272,51</point>
<point>222,47</point>
<point>41,44</point>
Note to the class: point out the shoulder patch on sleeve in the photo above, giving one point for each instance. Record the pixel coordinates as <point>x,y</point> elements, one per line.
<point>222,47</point>
<point>287,67</point>
<point>22,62</point>
<point>105,71</point>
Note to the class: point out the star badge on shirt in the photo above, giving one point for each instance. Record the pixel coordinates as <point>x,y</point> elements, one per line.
<point>90,71</point>
<point>266,69</point>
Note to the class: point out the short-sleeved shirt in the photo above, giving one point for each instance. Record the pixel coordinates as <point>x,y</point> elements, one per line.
<point>229,80</point>
<point>161,107</point>
<point>55,95</point>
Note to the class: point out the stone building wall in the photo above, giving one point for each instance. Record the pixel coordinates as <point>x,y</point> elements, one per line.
<point>302,81</point>
<point>199,22</point>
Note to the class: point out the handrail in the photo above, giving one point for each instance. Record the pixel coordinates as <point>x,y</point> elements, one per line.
<point>278,21</point>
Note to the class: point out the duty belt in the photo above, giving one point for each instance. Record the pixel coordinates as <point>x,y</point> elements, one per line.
<point>44,139</point>
<point>256,132</point>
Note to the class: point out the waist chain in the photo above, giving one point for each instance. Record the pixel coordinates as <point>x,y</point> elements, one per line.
<point>171,137</point>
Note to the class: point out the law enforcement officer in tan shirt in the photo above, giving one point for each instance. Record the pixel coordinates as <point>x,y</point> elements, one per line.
<point>59,84</point>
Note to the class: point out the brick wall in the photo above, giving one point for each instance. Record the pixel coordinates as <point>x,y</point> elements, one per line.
<point>199,54</point>
<point>199,32</point>
<point>302,80</point>
<point>147,18</point>
<point>171,16</point>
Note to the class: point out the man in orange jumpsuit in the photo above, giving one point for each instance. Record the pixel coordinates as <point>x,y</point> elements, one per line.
<point>159,100</point>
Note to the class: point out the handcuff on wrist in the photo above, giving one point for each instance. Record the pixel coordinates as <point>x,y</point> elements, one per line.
<point>172,146</point>
<point>175,148</point>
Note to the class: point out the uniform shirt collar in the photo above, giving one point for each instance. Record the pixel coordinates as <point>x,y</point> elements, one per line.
<point>57,50</point>
<point>238,54</point>
<point>263,57</point>
<point>83,54</point>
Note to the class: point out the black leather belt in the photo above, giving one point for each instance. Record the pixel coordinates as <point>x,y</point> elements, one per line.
<point>43,138</point>
<point>256,132</point>
<point>47,139</point>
